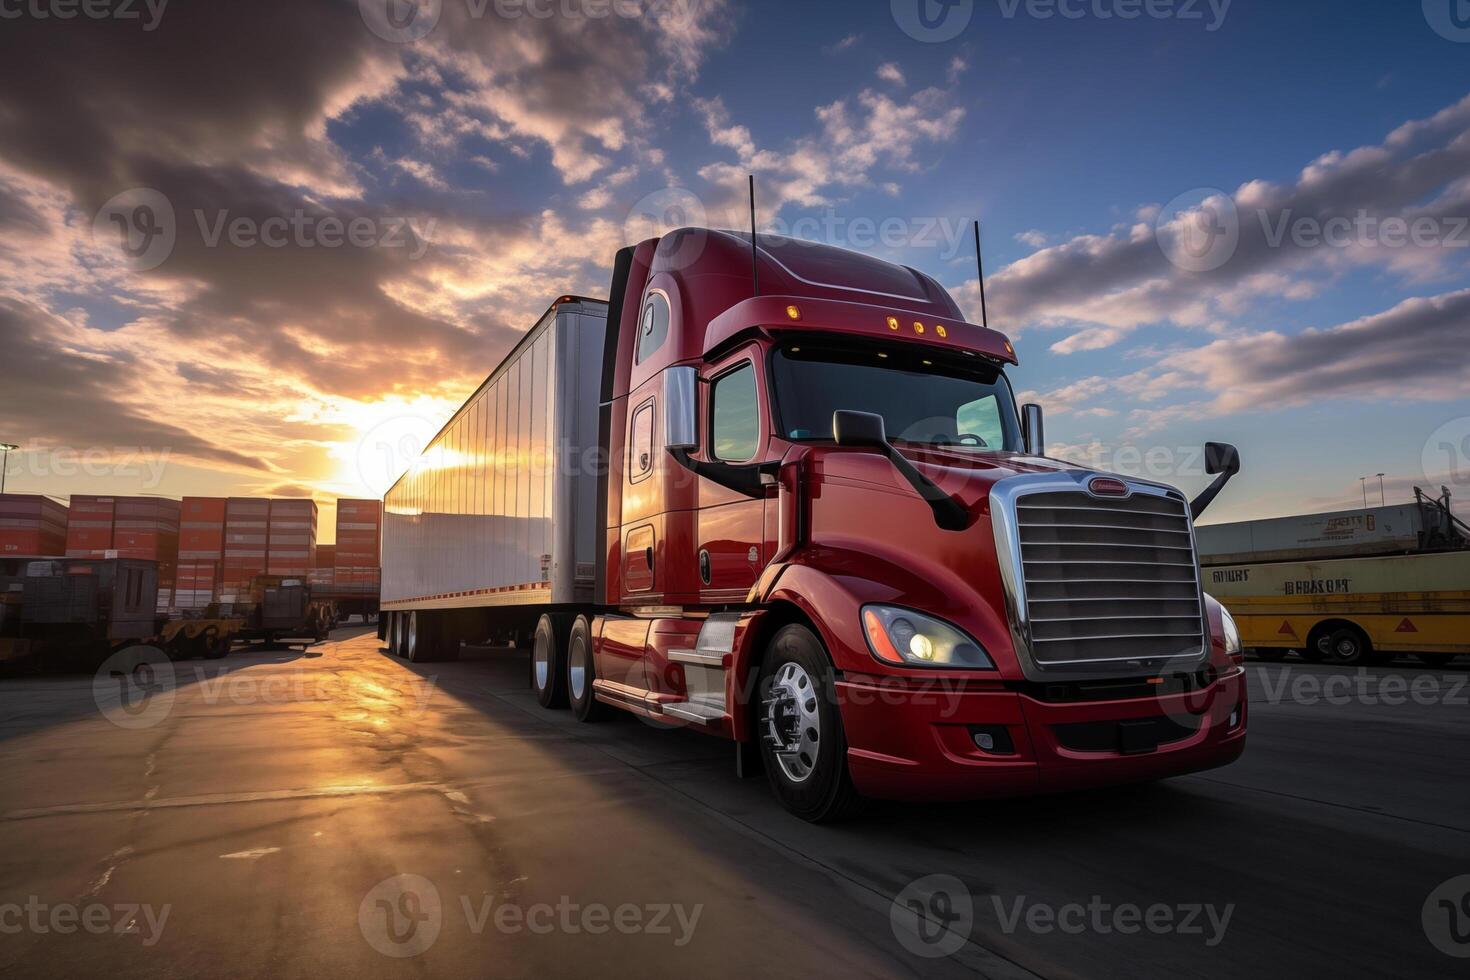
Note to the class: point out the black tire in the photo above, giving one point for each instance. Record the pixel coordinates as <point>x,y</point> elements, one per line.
<point>390,631</point>
<point>1271,655</point>
<point>1348,647</point>
<point>1313,653</point>
<point>581,672</point>
<point>825,792</point>
<point>549,661</point>
<point>1436,659</point>
<point>402,649</point>
<point>426,632</point>
<point>218,647</point>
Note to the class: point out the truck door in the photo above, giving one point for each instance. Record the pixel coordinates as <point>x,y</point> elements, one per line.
<point>731,526</point>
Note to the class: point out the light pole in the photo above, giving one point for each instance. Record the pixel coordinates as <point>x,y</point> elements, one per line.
<point>1363,480</point>
<point>6,447</point>
<point>1382,500</point>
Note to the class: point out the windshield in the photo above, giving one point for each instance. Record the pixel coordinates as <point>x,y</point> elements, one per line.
<point>925,398</point>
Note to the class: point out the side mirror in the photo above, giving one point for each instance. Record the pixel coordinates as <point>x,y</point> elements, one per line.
<point>681,408</point>
<point>864,430</point>
<point>1221,457</point>
<point>1221,461</point>
<point>858,429</point>
<point>1033,429</point>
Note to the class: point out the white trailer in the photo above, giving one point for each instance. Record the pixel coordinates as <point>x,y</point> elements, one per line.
<point>499,511</point>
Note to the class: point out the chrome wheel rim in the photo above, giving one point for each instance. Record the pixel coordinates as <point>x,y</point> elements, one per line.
<point>413,634</point>
<point>577,670</point>
<point>541,659</point>
<point>793,728</point>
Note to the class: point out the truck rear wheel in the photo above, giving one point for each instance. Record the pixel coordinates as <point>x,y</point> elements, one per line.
<point>548,661</point>
<point>1348,647</point>
<point>800,729</point>
<point>581,672</point>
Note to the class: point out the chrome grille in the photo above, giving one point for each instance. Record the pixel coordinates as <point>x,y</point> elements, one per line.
<point>1108,578</point>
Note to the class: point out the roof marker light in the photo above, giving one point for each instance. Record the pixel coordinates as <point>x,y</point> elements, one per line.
<point>939,329</point>
<point>918,327</point>
<point>793,313</point>
<point>893,323</point>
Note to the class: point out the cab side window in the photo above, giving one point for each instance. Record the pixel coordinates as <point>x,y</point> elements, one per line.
<point>734,416</point>
<point>653,325</point>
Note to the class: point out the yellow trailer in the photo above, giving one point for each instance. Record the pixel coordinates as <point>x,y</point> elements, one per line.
<point>1351,610</point>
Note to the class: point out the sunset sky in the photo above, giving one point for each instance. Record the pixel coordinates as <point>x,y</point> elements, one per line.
<point>499,161</point>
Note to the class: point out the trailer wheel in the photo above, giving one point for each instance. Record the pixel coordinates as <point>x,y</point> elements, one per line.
<point>1436,659</point>
<point>402,631</point>
<point>219,646</point>
<point>390,632</point>
<point>1348,647</point>
<point>581,672</point>
<point>417,641</point>
<point>802,741</point>
<point>548,661</point>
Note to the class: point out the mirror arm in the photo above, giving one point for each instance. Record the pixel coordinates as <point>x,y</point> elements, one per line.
<point>1207,496</point>
<point>949,513</point>
<point>748,478</point>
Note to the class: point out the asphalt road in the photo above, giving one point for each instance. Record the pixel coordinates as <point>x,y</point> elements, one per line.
<point>342,813</point>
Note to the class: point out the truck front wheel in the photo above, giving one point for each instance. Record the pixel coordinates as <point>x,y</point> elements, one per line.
<point>1348,647</point>
<point>802,741</point>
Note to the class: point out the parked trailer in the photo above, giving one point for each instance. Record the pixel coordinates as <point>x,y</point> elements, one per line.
<point>79,610</point>
<point>280,608</point>
<point>1351,587</point>
<point>780,493</point>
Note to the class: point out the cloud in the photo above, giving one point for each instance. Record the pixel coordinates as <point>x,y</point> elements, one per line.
<point>1034,238</point>
<point>1104,286</point>
<point>890,72</point>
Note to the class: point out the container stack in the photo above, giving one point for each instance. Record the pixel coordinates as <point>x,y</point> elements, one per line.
<point>201,551</point>
<point>89,526</point>
<point>148,528</point>
<point>246,523</point>
<point>32,525</point>
<point>291,542</point>
<point>359,539</point>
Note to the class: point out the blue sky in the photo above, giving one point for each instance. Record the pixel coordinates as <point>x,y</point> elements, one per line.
<point>524,151</point>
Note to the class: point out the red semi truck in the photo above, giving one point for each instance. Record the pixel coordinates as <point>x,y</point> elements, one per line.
<point>782,494</point>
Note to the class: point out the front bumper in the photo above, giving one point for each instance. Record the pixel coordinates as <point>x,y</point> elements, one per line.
<point>911,741</point>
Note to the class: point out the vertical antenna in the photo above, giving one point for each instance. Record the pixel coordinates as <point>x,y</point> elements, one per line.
<point>755,279</point>
<point>980,268</point>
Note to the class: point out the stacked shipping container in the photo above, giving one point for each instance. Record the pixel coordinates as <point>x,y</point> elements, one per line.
<point>291,541</point>
<point>246,523</point>
<point>89,526</point>
<point>201,551</point>
<point>32,525</point>
<point>359,540</point>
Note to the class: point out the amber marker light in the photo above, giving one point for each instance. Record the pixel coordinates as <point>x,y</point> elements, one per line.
<point>918,327</point>
<point>939,329</point>
<point>893,323</point>
<point>793,313</point>
<point>878,636</point>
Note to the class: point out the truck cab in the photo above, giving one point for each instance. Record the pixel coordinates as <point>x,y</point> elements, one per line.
<point>829,533</point>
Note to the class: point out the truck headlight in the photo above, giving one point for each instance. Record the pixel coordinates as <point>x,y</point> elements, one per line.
<point>909,639</point>
<point>1232,633</point>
